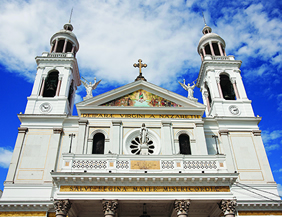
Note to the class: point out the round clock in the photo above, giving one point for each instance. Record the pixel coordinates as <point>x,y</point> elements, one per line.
<point>45,107</point>
<point>234,110</point>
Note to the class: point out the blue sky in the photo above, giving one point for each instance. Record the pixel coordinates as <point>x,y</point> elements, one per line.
<point>115,34</point>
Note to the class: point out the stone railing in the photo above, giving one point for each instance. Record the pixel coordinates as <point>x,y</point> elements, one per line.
<point>208,57</point>
<point>157,163</point>
<point>57,55</point>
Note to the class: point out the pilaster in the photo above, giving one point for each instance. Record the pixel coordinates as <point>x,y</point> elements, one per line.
<point>16,155</point>
<point>115,147</point>
<point>167,147</point>
<point>201,140</point>
<point>226,146</point>
<point>80,146</point>
<point>262,155</point>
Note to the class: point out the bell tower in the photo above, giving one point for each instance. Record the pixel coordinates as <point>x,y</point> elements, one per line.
<point>220,79</point>
<point>57,76</point>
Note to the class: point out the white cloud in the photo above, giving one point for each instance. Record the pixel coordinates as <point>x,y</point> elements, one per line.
<point>271,139</point>
<point>5,157</point>
<point>115,34</point>
<point>279,102</point>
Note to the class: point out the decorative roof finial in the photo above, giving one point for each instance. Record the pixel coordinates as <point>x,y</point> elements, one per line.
<point>70,15</point>
<point>204,18</point>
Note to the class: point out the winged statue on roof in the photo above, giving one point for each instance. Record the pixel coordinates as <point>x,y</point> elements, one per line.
<point>89,86</point>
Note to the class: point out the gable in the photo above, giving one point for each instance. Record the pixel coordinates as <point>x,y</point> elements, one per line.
<point>141,98</point>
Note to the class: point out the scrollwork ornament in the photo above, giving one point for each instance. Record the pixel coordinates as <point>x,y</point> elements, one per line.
<point>62,207</point>
<point>228,207</point>
<point>110,206</point>
<point>182,207</point>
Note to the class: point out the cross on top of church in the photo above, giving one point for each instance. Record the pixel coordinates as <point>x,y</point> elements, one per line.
<point>140,65</point>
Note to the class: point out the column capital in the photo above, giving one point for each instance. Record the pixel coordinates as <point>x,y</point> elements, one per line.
<point>22,129</point>
<point>228,207</point>
<point>257,132</point>
<point>181,207</point>
<point>62,207</point>
<point>223,132</point>
<point>110,207</point>
<point>200,124</point>
<point>166,123</point>
<point>116,122</point>
<point>82,121</point>
<point>58,130</point>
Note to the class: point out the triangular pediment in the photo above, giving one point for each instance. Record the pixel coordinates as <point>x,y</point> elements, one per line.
<point>139,95</point>
<point>141,98</point>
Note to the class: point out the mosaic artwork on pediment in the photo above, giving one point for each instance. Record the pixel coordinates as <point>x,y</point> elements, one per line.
<point>141,98</point>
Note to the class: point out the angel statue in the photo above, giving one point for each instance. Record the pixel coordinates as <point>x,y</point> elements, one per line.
<point>190,89</point>
<point>89,87</point>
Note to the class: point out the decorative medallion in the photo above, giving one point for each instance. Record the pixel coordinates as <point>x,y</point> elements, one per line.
<point>45,107</point>
<point>234,109</point>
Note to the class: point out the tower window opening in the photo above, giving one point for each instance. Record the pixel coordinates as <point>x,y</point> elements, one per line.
<point>70,93</point>
<point>51,84</point>
<point>60,46</point>
<point>98,143</point>
<point>208,49</point>
<point>206,31</point>
<point>216,49</point>
<point>69,47</point>
<point>184,144</point>
<point>227,88</point>
<point>209,93</point>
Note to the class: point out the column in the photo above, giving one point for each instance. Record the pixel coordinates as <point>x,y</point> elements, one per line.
<point>62,207</point>
<point>168,146</point>
<point>226,147</point>
<point>115,144</point>
<point>16,155</point>
<point>204,52</point>
<point>202,58</point>
<point>110,207</point>
<point>233,81</point>
<point>201,145</point>
<point>56,45</point>
<point>72,50</point>
<point>182,207</point>
<point>80,146</point>
<point>42,87</point>
<point>51,48</point>
<point>220,49</point>
<point>212,51</point>
<point>228,207</point>
<point>206,95</point>
<point>65,45</point>
<point>52,154</point>
<point>59,87</point>
<point>219,87</point>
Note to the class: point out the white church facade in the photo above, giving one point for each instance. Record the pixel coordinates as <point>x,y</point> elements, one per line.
<point>139,150</point>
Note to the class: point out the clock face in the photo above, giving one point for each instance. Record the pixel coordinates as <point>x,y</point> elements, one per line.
<point>45,107</point>
<point>234,110</point>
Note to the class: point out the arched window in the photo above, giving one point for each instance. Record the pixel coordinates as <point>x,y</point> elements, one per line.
<point>184,144</point>
<point>208,49</point>
<point>98,143</point>
<point>70,93</point>
<point>226,87</point>
<point>209,93</point>
<point>60,47</point>
<point>69,47</point>
<point>51,84</point>
<point>216,49</point>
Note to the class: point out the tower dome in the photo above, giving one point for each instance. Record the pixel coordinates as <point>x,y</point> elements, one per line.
<point>64,41</point>
<point>211,44</point>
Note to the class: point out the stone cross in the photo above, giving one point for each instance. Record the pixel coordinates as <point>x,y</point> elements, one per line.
<point>140,65</point>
